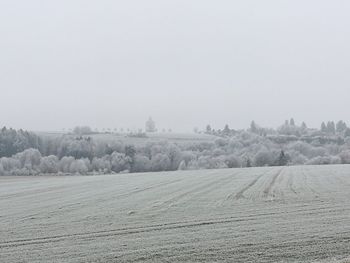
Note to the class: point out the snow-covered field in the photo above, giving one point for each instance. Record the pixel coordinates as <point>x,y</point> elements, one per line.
<point>290,214</point>
<point>178,138</point>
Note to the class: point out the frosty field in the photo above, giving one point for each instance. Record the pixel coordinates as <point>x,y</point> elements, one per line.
<point>289,214</point>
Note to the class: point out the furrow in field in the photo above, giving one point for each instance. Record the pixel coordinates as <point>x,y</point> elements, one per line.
<point>267,190</point>
<point>240,194</point>
<point>290,214</point>
<point>192,193</point>
<point>169,226</point>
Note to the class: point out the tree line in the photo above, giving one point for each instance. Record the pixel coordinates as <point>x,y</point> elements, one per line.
<point>26,153</point>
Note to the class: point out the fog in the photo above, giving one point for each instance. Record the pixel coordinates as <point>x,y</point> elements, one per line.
<point>113,64</point>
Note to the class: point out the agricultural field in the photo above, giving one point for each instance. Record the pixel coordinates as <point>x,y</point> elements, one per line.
<point>179,138</point>
<point>279,214</point>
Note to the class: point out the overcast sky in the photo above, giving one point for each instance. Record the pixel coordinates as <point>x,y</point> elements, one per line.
<point>186,63</point>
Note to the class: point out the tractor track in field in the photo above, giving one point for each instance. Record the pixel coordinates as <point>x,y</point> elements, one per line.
<point>163,227</point>
<point>274,214</point>
<point>267,190</point>
<point>199,190</point>
<point>240,194</point>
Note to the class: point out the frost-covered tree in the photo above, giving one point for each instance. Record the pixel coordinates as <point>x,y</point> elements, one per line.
<point>347,132</point>
<point>120,162</point>
<point>193,165</point>
<point>289,129</point>
<point>2,170</point>
<point>150,125</point>
<point>345,156</point>
<point>232,161</point>
<point>221,142</point>
<point>208,129</point>
<point>10,164</point>
<point>283,159</point>
<point>160,162</point>
<point>102,165</point>
<point>29,159</point>
<point>130,151</point>
<point>331,127</point>
<point>264,158</point>
<point>16,141</point>
<point>341,126</point>
<point>207,162</point>
<point>182,166</point>
<point>226,129</point>
<point>188,156</point>
<point>247,162</point>
<point>253,127</point>
<point>79,166</point>
<point>292,122</point>
<point>175,156</point>
<point>78,147</point>
<point>65,164</point>
<point>303,126</point>
<point>322,160</point>
<point>49,164</point>
<point>141,164</point>
<point>72,154</point>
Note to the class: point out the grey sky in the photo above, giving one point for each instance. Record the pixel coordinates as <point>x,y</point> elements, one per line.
<point>186,63</point>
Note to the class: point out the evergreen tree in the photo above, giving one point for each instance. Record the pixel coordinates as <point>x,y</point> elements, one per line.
<point>249,163</point>
<point>341,126</point>
<point>253,127</point>
<point>347,132</point>
<point>292,122</point>
<point>150,125</point>
<point>331,127</point>
<point>226,129</point>
<point>282,159</point>
<point>303,126</point>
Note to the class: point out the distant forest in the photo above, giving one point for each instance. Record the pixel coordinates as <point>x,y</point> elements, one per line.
<point>27,153</point>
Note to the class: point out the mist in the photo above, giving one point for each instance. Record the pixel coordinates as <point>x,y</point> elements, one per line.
<point>185,63</point>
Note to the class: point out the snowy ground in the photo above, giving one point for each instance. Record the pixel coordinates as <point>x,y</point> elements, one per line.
<point>291,214</point>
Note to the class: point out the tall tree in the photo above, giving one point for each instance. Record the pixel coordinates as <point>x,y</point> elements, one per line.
<point>303,126</point>
<point>248,163</point>
<point>150,125</point>
<point>331,127</point>
<point>208,129</point>
<point>292,122</point>
<point>253,127</point>
<point>347,132</point>
<point>341,126</point>
<point>282,159</point>
<point>226,129</point>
